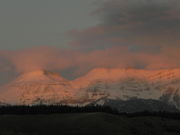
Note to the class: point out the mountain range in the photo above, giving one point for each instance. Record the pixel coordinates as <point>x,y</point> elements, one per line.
<point>128,90</point>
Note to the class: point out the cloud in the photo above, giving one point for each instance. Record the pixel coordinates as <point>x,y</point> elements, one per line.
<point>73,63</point>
<point>7,70</point>
<point>131,33</point>
<point>144,25</point>
<point>38,58</point>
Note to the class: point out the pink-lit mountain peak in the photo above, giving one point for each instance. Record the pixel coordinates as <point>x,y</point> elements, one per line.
<point>39,76</point>
<point>102,73</point>
<point>114,74</point>
<point>110,72</point>
<point>39,84</point>
<point>123,84</point>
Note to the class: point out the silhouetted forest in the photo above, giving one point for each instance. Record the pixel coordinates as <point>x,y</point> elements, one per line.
<point>52,109</point>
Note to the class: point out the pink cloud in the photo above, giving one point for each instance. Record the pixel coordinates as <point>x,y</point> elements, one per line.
<point>63,59</point>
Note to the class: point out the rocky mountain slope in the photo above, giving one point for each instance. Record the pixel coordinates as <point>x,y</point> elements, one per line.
<point>36,88</point>
<point>125,84</point>
<point>99,85</point>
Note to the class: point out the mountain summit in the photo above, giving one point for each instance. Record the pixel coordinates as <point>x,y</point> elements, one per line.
<point>39,75</point>
<point>37,87</point>
<point>99,86</point>
<point>125,84</point>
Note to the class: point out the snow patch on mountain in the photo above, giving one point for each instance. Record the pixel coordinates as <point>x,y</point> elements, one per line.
<point>36,87</point>
<point>44,87</point>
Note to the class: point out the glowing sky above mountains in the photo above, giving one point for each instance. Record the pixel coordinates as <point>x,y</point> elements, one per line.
<point>73,37</point>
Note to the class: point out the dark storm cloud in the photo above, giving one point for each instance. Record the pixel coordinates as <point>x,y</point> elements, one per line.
<point>142,25</point>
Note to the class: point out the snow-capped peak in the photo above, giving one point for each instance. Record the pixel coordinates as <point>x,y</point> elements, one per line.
<point>36,86</point>
<point>115,74</point>
<point>42,76</point>
<point>48,87</point>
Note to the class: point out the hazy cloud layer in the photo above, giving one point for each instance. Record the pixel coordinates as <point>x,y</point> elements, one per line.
<point>75,63</point>
<point>142,25</point>
<point>132,33</point>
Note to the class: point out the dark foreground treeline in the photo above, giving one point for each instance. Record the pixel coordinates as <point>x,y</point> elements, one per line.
<point>51,109</point>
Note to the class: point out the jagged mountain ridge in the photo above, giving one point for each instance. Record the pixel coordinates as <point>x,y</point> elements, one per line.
<point>127,83</point>
<point>137,105</point>
<point>114,84</point>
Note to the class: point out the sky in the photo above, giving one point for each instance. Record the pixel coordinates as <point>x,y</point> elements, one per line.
<point>31,23</point>
<point>73,37</point>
